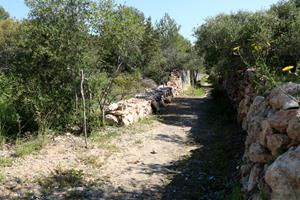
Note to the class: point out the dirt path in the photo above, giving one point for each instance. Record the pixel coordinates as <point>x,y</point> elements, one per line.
<point>171,157</point>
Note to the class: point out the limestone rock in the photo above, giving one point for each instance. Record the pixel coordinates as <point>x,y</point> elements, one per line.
<point>293,130</point>
<point>274,142</point>
<point>280,97</point>
<point>254,176</point>
<point>257,110</point>
<point>127,119</point>
<point>259,154</point>
<point>283,176</point>
<point>257,113</point>
<point>111,119</point>
<point>113,106</point>
<point>257,106</point>
<point>243,110</point>
<point>266,130</point>
<point>131,110</point>
<point>280,120</point>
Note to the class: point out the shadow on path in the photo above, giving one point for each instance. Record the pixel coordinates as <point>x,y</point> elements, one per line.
<point>211,170</point>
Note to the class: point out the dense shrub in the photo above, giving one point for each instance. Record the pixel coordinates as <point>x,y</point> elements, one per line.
<point>265,40</point>
<point>42,58</point>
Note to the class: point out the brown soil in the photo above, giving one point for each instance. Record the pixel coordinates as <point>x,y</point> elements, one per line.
<point>176,156</point>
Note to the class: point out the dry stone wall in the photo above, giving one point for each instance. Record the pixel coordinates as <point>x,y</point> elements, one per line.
<point>271,162</point>
<point>129,111</point>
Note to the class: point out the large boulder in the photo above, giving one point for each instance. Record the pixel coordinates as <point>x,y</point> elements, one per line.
<point>259,154</point>
<point>283,176</point>
<point>280,119</point>
<point>293,130</point>
<point>282,97</point>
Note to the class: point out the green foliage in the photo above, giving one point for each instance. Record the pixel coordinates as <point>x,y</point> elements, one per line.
<point>42,56</point>
<point>9,116</point>
<point>33,145</point>
<point>153,60</point>
<point>61,179</point>
<point>6,161</point>
<point>2,178</point>
<point>281,150</point>
<point>175,47</point>
<point>91,160</point>
<point>148,120</point>
<point>122,29</point>
<point>194,91</point>
<point>3,13</point>
<point>104,137</point>
<point>199,92</point>
<point>236,193</point>
<point>263,195</point>
<point>2,136</point>
<point>266,41</point>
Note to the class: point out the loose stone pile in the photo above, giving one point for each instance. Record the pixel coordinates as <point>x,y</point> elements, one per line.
<point>272,156</point>
<point>127,112</point>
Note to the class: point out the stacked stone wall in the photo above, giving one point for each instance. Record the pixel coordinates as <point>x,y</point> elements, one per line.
<point>129,111</point>
<point>271,161</point>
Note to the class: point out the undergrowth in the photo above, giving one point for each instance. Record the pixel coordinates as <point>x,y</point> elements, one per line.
<point>29,146</point>
<point>194,91</point>
<point>6,161</point>
<point>61,179</point>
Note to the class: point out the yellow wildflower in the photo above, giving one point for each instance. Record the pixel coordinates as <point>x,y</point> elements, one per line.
<point>257,47</point>
<point>236,48</point>
<point>287,68</point>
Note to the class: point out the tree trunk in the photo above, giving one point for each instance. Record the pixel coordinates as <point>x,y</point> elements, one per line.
<point>84,112</point>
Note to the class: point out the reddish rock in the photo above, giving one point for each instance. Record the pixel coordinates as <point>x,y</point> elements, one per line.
<point>293,130</point>
<point>266,130</point>
<point>280,120</point>
<point>259,154</point>
<point>274,142</point>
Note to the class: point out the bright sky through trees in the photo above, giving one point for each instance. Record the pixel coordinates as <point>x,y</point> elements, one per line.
<point>187,13</point>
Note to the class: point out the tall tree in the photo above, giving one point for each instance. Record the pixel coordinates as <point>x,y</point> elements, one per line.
<point>57,38</point>
<point>153,60</point>
<point>3,13</point>
<point>120,32</point>
<point>174,45</point>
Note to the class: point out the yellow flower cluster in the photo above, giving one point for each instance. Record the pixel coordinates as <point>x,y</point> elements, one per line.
<point>287,68</point>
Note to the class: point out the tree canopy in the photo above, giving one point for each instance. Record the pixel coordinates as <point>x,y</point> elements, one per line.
<point>266,41</point>
<point>3,13</point>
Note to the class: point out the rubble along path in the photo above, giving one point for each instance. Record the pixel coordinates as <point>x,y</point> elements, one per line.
<point>174,156</point>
